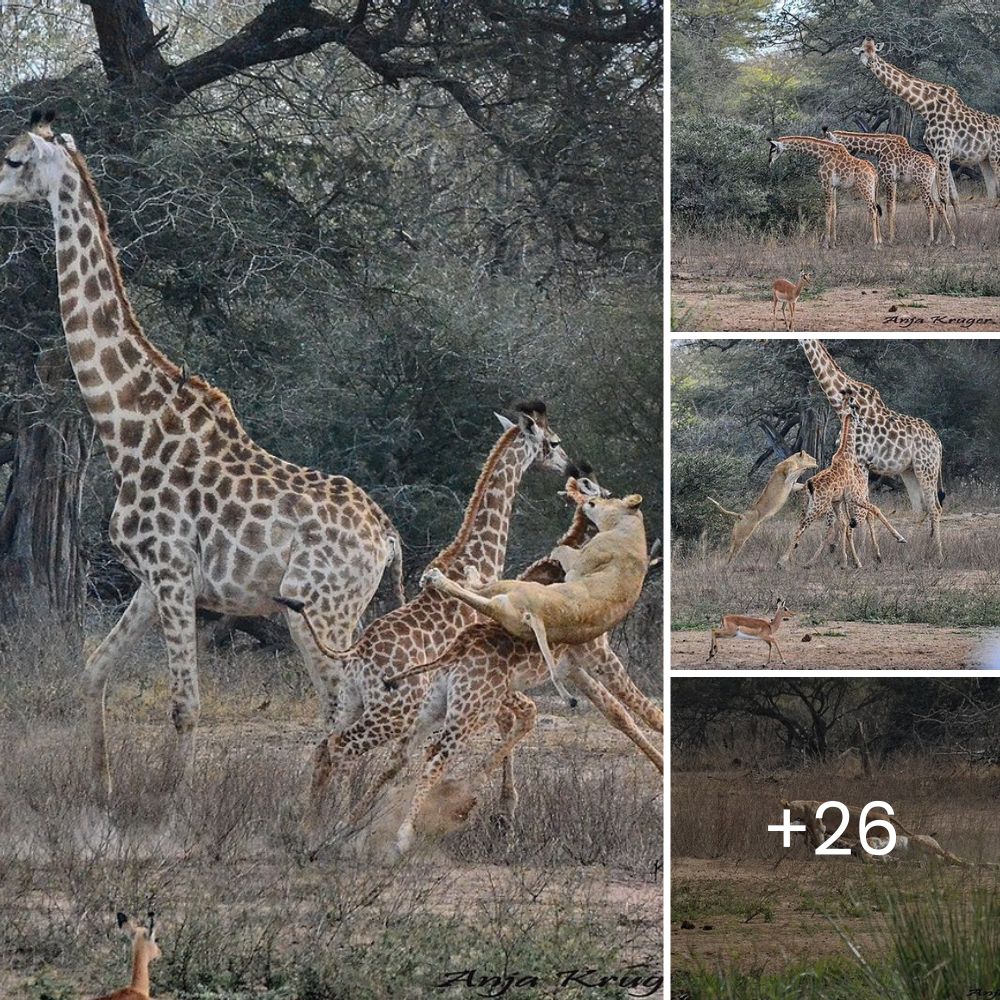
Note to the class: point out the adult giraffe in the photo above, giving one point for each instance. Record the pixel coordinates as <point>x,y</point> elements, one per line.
<point>888,443</point>
<point>204,517</point>
<point>953,131</point>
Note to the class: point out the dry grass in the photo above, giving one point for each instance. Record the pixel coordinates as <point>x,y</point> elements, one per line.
<point>906,587</point>
<point>725,813</point>
<point>249,903</point>
<point>744,265</point>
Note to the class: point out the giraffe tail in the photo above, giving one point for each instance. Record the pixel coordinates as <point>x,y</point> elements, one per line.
<point>299,607</point>
<point>940,486</point>
<point>392,682</point>
<point>396,569</point>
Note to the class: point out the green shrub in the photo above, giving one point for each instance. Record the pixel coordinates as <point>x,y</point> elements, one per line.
<point>720,175</point>
<point>696,475</point>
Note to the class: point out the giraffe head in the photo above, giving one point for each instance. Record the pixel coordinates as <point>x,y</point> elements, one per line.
<point>777,148</point>
<point>34,163</point>
<point>868,50</point>
<point>534,424</point>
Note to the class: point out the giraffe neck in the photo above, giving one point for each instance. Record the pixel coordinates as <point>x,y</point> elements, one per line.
<point>481,542</point>
<point>547,570</point>
<point>818,149</point>
<point>127,384</point>
<point>911,89</point>
<point>828,373</point>
<point>106,346</point>
<point>847,449</point>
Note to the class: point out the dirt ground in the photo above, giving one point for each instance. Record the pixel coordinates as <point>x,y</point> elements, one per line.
<point>745,305</point>
<point>788,937</point>
<point>724,283</point>
<point>843,646</point>
<point>756,905</point>
<point>893,615</point>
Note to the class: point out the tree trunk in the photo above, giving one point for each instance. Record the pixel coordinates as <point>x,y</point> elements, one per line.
<point>43,572</point>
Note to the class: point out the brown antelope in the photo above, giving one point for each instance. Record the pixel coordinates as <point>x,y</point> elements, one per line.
<point>784,291</point>
<point>144,950</point>
<point>744,627</point>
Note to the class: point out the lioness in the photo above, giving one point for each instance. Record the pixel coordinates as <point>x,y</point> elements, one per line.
<point>772,498</point>
<point>804,811</point>
<point>603,581</point>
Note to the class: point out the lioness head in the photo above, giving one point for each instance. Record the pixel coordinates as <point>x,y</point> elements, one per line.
<point>608,512</point>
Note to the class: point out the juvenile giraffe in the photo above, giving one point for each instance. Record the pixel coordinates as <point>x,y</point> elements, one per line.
<point>483,674</point>
<point>837,170</point>
<point>846,482</point>
<point>899,162</point>
<point>953,130</point>
<point>888,443</point>
<point>204,517</point>
<point>367,716</point>
<point>593,667</point>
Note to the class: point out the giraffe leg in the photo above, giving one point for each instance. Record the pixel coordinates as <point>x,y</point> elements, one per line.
<point>930,208</point>
<point>947,188</point>
<point>603,663</point>
<point>524,712</point>
<point>832,519</point>
<point>873,510</point>
<point>175,602</point>
<point>871,522</point>
<point>829,206</point>
<point>890,207</point>
<point>432,712</point>
<point>457,731</point>
<point>366,733</point>
<point>507,806</point>
<point>610,707</point>
<point>927,482</point>
<point>833,238</point>
<point>132,625</point>
<point>538,627</point>
<point>817,509</point>
<point>849,535</point>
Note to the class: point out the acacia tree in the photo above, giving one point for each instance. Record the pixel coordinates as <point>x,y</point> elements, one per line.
<point>264,132</point>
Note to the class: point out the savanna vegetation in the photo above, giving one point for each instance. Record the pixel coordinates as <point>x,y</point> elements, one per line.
<point>751,918</point>
<point>372,225</point>
<point>749,71</point>
<point>738,407</point>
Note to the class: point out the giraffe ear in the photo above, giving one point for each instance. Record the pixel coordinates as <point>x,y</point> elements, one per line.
<point>880,46</point>
<point>505,423</point>
<point>857,50</point>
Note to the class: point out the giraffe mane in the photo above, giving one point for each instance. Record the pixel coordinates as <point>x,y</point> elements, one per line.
<point>215,397</point>
<point>447,554</point>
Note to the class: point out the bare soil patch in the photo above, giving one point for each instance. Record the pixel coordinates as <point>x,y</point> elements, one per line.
<point>838,645</point>
<point>724,283</point>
